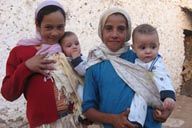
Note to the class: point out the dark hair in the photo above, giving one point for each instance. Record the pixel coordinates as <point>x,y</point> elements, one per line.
<point>66,34</point>
<point>47,10</point>
<point>144,29</point>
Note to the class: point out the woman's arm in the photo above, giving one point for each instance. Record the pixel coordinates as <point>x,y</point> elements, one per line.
<point>117,120</point>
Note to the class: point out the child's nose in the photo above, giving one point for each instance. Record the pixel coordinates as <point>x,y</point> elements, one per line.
<point>74,46</point>
<point>55,32</point>
<point>148,50</point>
<point>114,33</point>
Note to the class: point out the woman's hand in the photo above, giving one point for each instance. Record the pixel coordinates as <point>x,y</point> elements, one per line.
<point>39,64</point>
<point>117,120</point>
<point>121,121</point>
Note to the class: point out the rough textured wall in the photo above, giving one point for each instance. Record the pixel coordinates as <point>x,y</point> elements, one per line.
<point>17,22</point>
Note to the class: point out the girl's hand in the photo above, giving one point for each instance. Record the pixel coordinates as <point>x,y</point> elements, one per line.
<point>121,121</point>
<point>38,64</point>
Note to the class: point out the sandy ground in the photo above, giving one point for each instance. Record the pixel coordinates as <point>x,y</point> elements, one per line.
<point>182,115</point>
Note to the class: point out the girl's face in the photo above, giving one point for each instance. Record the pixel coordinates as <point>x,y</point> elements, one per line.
<point>115,32</point>
<point>70,45</point>
<point>146,46</point>
<point>52,27</point>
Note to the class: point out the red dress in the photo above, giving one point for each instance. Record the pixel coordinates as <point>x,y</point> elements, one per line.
<point>41,104</point>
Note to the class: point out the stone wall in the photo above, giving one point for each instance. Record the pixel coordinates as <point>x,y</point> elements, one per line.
<point>17,22</point>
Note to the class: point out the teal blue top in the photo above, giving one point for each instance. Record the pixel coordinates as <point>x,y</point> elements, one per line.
<point>105,91</point>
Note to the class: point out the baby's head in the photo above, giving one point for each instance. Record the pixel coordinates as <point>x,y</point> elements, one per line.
<point>70,44</point>
<point>145,42</point>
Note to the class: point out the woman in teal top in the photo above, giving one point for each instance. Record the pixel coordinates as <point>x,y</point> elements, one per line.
<point>105,90</point>
<point>107,98</point>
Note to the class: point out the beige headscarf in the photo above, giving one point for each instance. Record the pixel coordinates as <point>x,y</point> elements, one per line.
<point>102,48</point>
<point>109,12</point>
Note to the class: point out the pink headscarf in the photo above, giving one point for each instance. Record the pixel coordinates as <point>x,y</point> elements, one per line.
<point>46,48</point>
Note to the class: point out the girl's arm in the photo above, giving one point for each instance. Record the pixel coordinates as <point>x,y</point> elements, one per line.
<point>18,72</point>
<point>15,78</point>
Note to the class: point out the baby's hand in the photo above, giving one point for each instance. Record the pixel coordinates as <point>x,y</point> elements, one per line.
<point>169,104</point>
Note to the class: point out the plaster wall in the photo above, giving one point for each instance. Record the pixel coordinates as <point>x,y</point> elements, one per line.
<point>17,22</point>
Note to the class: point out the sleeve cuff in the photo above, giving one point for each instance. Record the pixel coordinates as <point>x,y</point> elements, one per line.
<point>167,93</point>
<point>76,61</point>
<point>85,107</point>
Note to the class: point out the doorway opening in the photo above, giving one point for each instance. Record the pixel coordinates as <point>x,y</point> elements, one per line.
<point>186,87</point>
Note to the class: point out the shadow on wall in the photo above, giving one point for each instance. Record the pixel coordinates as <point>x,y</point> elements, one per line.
<point>186,87</point>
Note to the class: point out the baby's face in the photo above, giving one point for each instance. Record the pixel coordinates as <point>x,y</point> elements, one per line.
<point>146,46</point>
<point>71,46</point>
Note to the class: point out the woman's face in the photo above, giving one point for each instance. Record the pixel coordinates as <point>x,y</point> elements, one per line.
<point>115,32</point>
<point>52,27</point>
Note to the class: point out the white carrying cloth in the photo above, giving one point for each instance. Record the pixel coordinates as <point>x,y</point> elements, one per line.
<point>138,78</point>
<point>161,76</point>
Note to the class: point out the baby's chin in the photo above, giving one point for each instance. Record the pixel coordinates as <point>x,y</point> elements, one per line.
<point>147,60</point>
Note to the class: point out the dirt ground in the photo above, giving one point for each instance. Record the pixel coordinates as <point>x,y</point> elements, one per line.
<point>181,116</point>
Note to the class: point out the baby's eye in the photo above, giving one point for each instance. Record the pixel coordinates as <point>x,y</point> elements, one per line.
<point>153,47</point>
<point>77,43</point>
<point>68,46</point>
<point>142,47</point>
